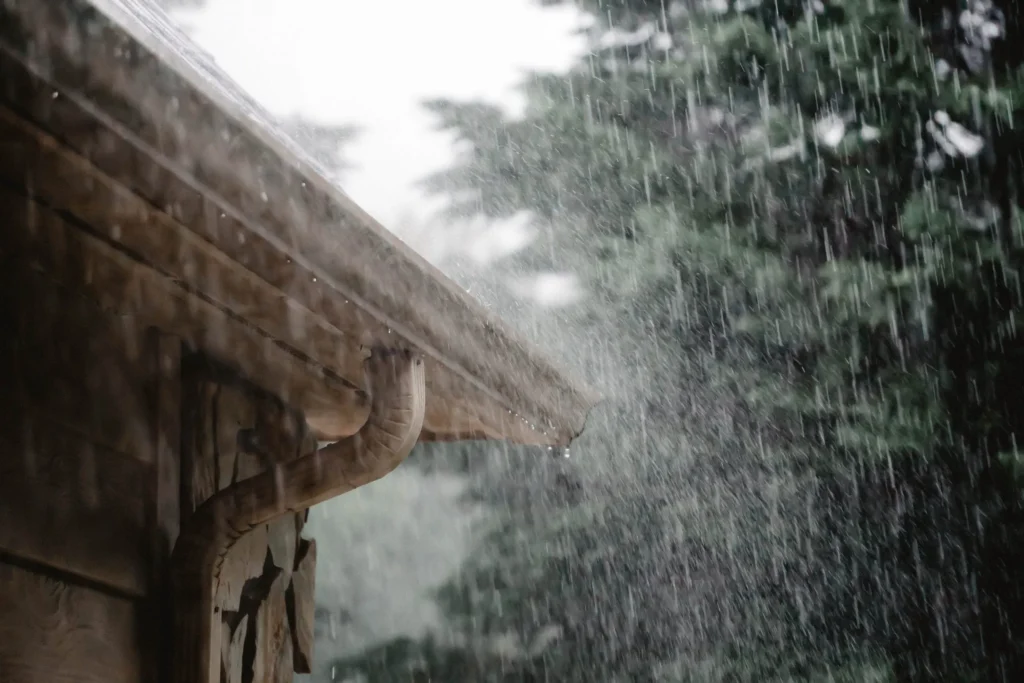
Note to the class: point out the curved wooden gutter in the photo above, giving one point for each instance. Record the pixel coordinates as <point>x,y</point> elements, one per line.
<point>397,402</point>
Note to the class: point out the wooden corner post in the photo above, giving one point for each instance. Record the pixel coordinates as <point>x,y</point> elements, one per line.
<point>263,599</point>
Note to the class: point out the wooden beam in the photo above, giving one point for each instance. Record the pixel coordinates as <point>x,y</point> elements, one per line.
<point>68,182</point>
<point>70,505</point>
<point>116,187</point>
<point>290,305</point>
<point>122,284</point>
<point>131,77</point>
<point>52,631</point>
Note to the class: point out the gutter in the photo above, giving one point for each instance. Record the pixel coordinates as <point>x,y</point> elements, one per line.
<point>397,404</point>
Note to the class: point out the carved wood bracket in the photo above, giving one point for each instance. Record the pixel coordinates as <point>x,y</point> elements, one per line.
<point>263,597</point>
<point>242,575</point>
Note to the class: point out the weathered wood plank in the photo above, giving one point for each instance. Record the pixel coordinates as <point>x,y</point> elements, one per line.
<point>217,412</point>
<point>51,631</point>
<point>68,504</point>
<point>280,431</point>
<point>71,183</point>
<point>302,606</point>
<point>235,430</point>
<point>194,220</point>
<point>243,562</point>
<point>122,284</point>
<point>65,357</point>
<point>163,388</point>
<point>198,466</point>
<point>165,375</point>
<point>270,188</point>
<point>232,661</point>
<point>233,412</point>
<point>283,671</point>
<point>273,662</point>
<point>131,162</point>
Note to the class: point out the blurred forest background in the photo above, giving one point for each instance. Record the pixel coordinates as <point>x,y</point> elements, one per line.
<point>797,228</point>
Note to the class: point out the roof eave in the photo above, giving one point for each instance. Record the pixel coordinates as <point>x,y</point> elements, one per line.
<point>229,144</point>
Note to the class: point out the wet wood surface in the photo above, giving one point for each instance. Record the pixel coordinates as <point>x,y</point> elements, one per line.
<point>76,455</point>
<point>301,606</point>
<point>114,187</point>
<point>233,430</point>
<point>135,98</point>
<point>164,382</point>
<point>122,285</point>
<point>69,182</point>
<point>63,356</point>
<point>53,631</point>
<point>73,506</point>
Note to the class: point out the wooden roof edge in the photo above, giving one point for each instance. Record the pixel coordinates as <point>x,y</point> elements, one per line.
<point>373,268</point>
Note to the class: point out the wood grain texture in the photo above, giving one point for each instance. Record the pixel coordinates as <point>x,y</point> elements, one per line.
<point>69,182</point>
<point>73,506</point>
<point>273,638</point>
<point>302,606</point>
<point>164,353</point>
<point>396,380</point>
<point>64,357</point>
<point>163,497</point>
<point>123,285</point>
<point>234,431</point>
<point>140,79</point>
<point>199,465</point>
<point>51,631</point>
<point>243,564</point>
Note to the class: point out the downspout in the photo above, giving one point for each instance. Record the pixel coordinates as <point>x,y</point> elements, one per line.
<point>397,402</point>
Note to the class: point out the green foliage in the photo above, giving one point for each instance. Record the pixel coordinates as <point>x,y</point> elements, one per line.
<point>828,270</point>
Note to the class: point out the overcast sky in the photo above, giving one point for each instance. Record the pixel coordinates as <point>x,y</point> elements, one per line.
<point>371,62</point>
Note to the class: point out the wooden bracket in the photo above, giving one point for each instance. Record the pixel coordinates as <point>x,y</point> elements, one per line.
<point>234,430</point>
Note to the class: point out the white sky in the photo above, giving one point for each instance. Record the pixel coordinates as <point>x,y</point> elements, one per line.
<point>371,63</point>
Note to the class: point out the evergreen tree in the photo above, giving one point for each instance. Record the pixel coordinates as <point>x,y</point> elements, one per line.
<point>807,212</point>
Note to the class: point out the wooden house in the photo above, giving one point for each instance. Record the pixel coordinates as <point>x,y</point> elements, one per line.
<point>187,309</point>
